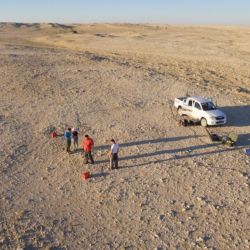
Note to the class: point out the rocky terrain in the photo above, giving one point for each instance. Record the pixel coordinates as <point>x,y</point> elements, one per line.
<point>175,189</point>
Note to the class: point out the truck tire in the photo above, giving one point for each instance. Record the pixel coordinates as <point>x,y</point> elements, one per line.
<point>179,110</point>
<point>203,122</point>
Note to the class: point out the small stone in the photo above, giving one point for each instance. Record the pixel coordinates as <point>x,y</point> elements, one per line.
<point>199,239</point>
<point>2,240</point>
<point>173,213</point>
<point>198,199</point>
<point>206,238</point>
<point>162,217</point>
<point>172,201</point>
<point>156,235</point>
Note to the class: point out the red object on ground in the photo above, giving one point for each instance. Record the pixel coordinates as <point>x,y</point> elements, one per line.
<point>85,175</point>
<point>54,134</point>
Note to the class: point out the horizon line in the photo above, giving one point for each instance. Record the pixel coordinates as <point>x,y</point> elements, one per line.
<point>129,23</point>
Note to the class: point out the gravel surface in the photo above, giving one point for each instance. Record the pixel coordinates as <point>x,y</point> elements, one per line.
<point>174,189</point>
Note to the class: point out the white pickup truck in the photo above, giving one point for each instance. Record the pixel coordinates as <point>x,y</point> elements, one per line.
<point>200,109</point>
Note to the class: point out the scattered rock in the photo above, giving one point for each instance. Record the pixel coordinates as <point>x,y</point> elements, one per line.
<point>162,217</point>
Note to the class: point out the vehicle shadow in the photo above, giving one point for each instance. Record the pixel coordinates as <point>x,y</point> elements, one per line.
<point>237,116</point>
<point>243,140</point>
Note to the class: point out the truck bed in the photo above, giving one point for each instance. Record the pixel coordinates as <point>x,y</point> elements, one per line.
<point>179,101</point>
<point>181,98</point>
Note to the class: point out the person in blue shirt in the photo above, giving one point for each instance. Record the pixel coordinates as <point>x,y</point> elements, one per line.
<point>67,136</point>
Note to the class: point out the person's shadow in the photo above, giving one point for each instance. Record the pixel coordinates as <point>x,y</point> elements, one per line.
<point>98,175</point>
<point>180,157</point>
<point>148,141</point>
<point>163,152</point>
<point>191,151</point>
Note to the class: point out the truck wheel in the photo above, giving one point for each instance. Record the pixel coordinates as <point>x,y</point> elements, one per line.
<point>179,110</point>
<point>203,122</point>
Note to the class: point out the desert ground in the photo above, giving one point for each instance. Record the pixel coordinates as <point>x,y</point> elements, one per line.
<point>174,189</point>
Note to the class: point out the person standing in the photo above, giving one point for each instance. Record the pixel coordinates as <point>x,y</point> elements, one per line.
<point>75,138</point>
<point>67,136</point>
<point>114,155</point>
<point>88,145</point>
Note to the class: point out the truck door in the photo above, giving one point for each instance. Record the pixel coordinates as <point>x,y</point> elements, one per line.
<point>189,107</point>
<point>197,111</point>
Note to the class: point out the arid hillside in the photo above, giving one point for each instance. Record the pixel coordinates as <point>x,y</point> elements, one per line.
<point>174,189</point>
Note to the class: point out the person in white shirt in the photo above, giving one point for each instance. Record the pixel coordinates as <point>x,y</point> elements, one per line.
<point>114,155</point>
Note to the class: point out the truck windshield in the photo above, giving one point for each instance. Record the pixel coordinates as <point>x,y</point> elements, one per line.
<point>208,106</point>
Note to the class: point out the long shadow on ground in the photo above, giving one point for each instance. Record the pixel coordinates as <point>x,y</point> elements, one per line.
<point>162,152</point>
<point>243,140</point>
<point>152,141</point>
<point>237,116</point>
<point>183,157</point>
<point>137,143</point>
<point>189,151</point>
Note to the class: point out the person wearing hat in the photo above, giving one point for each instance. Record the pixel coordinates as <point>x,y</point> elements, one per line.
<point>114,155</point>
<point>75,138</point>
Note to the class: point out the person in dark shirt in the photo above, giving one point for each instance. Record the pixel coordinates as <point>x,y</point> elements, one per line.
<point>75,138</point>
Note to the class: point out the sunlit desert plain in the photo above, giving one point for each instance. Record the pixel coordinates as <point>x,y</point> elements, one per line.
<point>174,189</point>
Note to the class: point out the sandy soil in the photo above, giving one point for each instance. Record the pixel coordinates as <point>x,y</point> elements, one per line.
<point>174,189</point>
